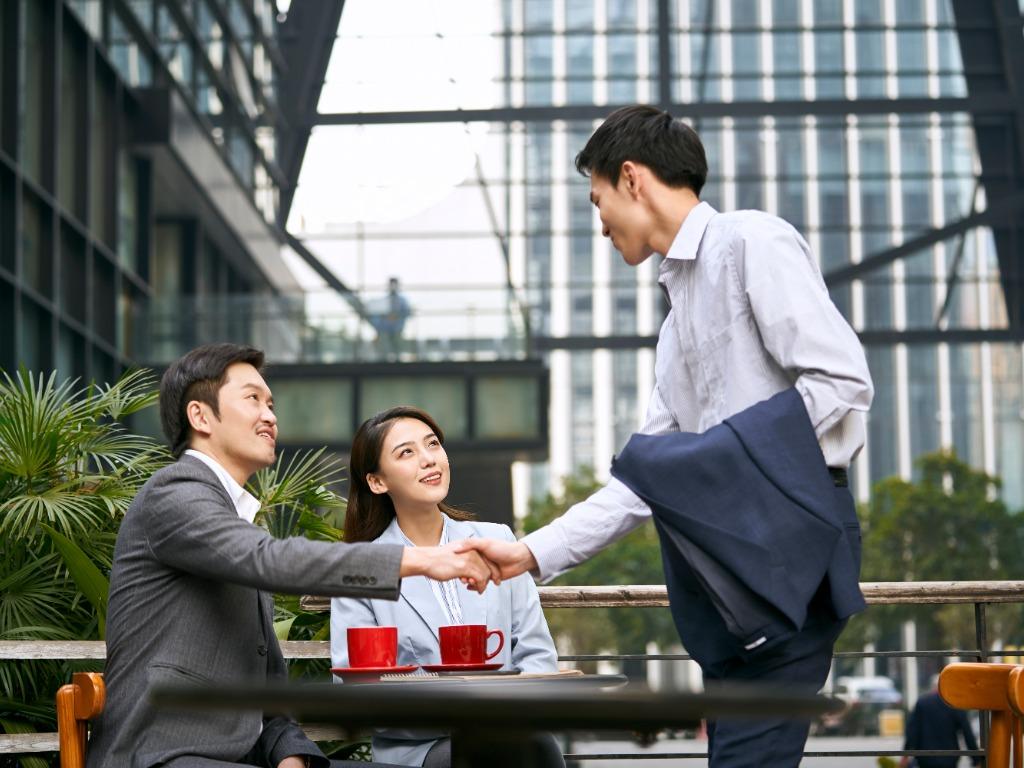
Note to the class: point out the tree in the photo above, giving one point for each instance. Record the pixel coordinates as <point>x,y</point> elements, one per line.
<point>635,559</point>
<point>948,525</point>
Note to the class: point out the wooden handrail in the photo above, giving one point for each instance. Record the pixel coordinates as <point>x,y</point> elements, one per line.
<point>876,593</point>
<point>631,595</point>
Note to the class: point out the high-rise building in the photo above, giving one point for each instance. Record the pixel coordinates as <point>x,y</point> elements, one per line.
<point>141,175</point>
<point>858,122</point>
<point>887,131</point>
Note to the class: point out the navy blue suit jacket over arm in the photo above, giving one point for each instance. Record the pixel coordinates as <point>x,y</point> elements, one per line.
<point>751,527</point>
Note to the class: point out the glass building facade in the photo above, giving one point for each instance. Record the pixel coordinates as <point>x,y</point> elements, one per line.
<point>136,170</point>
<point>844,117</point>
<point>854,184</point>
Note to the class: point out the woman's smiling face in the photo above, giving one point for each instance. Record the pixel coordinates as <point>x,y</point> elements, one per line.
<point>413,467</point>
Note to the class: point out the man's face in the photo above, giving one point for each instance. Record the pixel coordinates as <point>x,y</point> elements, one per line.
<point>246,432</point>
<point>623,217</point>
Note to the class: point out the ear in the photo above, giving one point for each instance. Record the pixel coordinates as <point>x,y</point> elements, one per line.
<point>199,418</point>
<point>630,177</point>
<point>376,483</point>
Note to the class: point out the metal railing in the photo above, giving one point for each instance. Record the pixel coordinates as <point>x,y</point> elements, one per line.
<point>979,594</point>
<point>454,323</point>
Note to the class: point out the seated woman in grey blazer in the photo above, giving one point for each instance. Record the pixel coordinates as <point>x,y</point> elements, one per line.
<point>398,481</point>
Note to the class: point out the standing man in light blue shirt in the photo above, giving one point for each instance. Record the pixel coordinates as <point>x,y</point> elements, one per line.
<point>750,317</point>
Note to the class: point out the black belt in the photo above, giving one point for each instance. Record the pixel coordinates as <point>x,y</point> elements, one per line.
<point>839,477</point>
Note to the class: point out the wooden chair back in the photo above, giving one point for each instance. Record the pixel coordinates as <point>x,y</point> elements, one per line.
<point>983,686</point>
<point>77,704</point>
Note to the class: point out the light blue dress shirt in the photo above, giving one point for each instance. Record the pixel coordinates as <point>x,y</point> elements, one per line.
<point>513,607</point>
<point>750,317</point>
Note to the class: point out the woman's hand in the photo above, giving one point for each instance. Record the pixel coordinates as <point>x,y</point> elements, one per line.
<point>295,761</point>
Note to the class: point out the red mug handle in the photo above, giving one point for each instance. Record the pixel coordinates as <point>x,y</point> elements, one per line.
<point>501,642</point>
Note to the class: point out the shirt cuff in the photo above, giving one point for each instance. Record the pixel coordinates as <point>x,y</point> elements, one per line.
<point>549,551</point>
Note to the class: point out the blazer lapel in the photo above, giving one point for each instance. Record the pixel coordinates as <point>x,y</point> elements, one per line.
<point>416,590</point>
<point>474,605</point>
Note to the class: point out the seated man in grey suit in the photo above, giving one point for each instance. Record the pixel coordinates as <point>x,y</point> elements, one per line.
<point>190,586</point>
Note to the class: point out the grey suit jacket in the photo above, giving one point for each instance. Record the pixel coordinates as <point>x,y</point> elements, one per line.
<point>190,603</point>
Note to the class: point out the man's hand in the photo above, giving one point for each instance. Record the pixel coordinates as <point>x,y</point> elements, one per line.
<point>447,562</point>
<point>510,558</point>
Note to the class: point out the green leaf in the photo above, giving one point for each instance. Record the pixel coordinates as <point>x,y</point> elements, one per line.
<point>94,585</point>
<point>282,628</point>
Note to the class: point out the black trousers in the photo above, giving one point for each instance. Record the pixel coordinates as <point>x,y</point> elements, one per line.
<point>800,666</point>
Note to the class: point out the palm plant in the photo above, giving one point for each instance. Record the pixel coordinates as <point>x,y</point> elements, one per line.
<point>68,470</point>
<point>295,500</point>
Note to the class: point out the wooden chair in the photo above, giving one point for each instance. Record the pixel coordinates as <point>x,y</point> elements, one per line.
<point>77,704</point>
<point>988,687</point>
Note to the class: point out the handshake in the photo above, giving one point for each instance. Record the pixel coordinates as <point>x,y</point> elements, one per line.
<point>476,562</point>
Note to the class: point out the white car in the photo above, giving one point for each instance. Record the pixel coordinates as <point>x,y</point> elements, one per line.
<point>868,690</point>
<point>865,698</point>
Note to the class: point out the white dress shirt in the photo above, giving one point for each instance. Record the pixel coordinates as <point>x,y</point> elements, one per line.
<point>246,505</point>
<point>445,592</point>
<point>750,317</point>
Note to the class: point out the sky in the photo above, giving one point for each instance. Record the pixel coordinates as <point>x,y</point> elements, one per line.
<point>404,180</point>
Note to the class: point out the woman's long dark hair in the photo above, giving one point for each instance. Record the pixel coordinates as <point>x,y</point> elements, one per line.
<point>369,513</point>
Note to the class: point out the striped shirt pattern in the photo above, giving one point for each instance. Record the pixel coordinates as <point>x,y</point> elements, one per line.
<point>446,592</point>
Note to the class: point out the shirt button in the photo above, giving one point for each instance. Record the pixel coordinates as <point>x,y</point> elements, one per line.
<point>262,650</point>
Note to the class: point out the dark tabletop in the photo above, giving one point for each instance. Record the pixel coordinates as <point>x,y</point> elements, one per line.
<point>554,705</point>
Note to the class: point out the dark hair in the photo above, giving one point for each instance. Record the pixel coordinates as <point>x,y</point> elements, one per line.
<point>369,513</point>
<point>198,375</point>
<point>643,134</point>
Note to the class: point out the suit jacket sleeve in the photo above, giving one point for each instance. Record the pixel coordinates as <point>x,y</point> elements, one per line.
<point>532,649</point>
<point>282,737</point>
<point>191,526</point>
<point>965,728</point>
<point>912,737</point>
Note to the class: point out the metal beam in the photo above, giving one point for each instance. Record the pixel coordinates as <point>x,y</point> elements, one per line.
<point>936,335</point>
<point>326,275</point>
<point>982,104</point>
<point>989,34</point>
<point>664,55</point>
<point>1000,210</point>
<point>867,337</point>
<point>306,40</point>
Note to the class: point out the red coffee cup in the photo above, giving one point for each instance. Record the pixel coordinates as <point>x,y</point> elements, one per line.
<point>467,643</point>
<point>372,646</point>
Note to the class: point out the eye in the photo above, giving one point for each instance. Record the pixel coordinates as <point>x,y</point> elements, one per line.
<point>405,452</point>
<point>434,442</point>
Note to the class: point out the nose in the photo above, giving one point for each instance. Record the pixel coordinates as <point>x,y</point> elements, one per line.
<point>268,416</point>
<point>427,459</point>
<point>604,230</point>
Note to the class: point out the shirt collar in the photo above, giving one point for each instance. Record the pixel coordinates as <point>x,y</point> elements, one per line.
<point>408,541</point>
<point>688,238</point>
<point>246,505</point>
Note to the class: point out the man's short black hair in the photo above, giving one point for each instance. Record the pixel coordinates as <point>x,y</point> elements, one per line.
<point>644,134</point>
<point>198,375</point>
